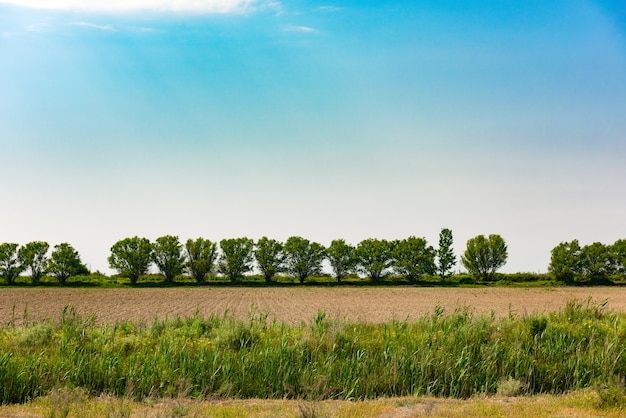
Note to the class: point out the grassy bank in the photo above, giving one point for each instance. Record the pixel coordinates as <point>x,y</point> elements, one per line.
<point>442,354</point>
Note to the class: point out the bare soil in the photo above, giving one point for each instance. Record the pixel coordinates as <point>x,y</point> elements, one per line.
<point>291,305</point>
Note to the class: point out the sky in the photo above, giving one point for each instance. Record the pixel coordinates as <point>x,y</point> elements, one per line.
<point>339,119</point>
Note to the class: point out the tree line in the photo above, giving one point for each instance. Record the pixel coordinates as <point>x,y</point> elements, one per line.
<point>410,258</point>
<point>593,263</point>
<point>233,258</point>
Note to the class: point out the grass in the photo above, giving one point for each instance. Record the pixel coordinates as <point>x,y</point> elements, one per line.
<point>76,403</point>
<point>457,355</point>
<point>156,280</point>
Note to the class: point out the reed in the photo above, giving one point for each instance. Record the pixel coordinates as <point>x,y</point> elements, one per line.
<point>455,354</point>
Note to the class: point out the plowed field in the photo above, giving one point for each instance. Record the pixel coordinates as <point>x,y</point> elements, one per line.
<point>291,305</point>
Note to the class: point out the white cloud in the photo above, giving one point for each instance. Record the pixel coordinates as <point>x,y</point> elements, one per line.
<point>302,29</point>
<point>113,28</point>
<point>330,8</point>
<point>109,28</point>
<point>194,6</point>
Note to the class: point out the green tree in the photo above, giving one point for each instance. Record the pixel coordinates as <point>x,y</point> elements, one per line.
<point>596,262</point>
<point>342,258</point>
<point>34,256</point>
<point>269,257</point>
<point>201,256</point>
<point>413,257</point>
<point>484,256</point>
<point>236,258</point>
<point>445,254</point>
<point>131,257</point>
<point>303,258</point>
<point>375,258</point>
<point>565,261</point>
<point>65,262</point>
<point>618,254</point>
<point>10,267</point>
<point>168,257</point>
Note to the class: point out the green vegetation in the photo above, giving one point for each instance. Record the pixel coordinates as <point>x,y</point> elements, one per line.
<point>33,256</point>
<point>168,257</point>
<point>201,255</point>
<point>303,258</point>
<point>445,355</point>
<point>342,258</point>
<point>445,254</point>
<point>131,257</point>
<point>484,256</point>
<point>413,257</point>
<point>595,263</point>
<point>10,267</point>
<point>237,257</point>
<point>381,262</point>
<point>270,257</point>
<point>65,262</point>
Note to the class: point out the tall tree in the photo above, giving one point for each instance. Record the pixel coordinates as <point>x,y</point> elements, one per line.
<point>445,254</point>
<point>201,256</point>
<point>375,258</point>
<point>269,257</point>
<point>65,262</point>
<point>596,262</point>
<point>413,257</point>
<point>10,267</point>
<point>236,258</point>
<point>34,256</point>
<point>131,257</point>
<point>303,258</point>
<point>565,261</point>
<point>168,257</point>
<point>618,254</point>
<point>342,258</point>
<point>484,256</point>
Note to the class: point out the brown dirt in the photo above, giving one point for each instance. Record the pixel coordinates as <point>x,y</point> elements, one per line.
<point>291,305</point>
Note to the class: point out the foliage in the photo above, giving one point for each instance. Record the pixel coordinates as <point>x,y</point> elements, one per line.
<point>618,255</point>
<point>131,257</point>
<point>375,258</point>
<point>342,258</point>
<point>65,262</point>
<point>201,257</point>
<point>413,257</point>
<point>34,256</point>
<point>10,267</point>
<point>269,256</point>
<point>237,257</point>
<point>484,256</point>
<point>168,256</point>
<point>565,261</point>
<point>445,254</point>
<point>455,354</point>
<point>596,261</point>
<point>303,258</point>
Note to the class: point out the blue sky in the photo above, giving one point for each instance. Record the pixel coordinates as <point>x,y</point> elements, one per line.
<point>327,120</point>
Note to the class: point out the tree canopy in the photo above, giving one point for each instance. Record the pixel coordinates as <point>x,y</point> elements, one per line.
<point>236,258</point>
<point>303,258</point>
<point>131,257</point>
<point>168,257</point>
<point>201,257</point>
<point>33,256</point>
<point>484,256</point>
<point>65,262</point>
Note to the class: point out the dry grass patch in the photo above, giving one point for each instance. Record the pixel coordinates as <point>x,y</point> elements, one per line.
<point>578,404</point>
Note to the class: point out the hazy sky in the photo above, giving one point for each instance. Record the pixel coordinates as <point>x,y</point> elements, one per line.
<point>347,119</point>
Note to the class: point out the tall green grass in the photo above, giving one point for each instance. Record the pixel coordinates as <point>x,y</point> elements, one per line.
<point>456,354</point>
